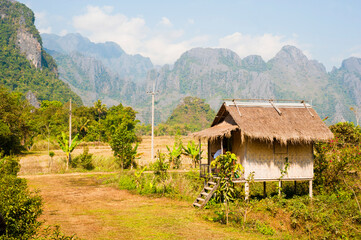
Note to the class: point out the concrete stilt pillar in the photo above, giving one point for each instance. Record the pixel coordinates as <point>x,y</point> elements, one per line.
<point>279,187</point>
<point>310,189</point>
<point>246,191</point>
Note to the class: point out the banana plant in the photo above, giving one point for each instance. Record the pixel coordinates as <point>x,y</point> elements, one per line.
<point>64,145</point>
<point>174,155</point>
<point>193,152</point>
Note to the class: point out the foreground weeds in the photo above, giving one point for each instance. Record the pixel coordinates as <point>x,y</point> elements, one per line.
<point>288,217</point>
<point>182,186</point>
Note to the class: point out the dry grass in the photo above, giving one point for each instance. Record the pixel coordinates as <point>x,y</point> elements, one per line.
<point>39,161</point>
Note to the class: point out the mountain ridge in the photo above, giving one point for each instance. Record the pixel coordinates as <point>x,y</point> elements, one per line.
<point>214,74</point>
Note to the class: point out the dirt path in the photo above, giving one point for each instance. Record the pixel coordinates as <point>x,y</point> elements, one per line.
<point>79,204</point>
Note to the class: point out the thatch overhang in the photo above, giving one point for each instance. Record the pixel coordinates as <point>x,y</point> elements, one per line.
<point>223,129</point>
<point>283,122</point>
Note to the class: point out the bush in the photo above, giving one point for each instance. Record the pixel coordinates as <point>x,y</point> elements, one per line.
<point>19,207</point>
<point>84,160</point>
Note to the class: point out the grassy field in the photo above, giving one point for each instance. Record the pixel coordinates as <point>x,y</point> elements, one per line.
<point>82,206</point>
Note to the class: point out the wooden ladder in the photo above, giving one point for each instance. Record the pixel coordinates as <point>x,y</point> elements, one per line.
<point>209,188</point>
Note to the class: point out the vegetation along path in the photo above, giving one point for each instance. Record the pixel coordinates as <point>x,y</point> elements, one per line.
<point>81,205</point>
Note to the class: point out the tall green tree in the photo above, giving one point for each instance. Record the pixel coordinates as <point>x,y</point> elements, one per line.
<point>101,110</point>
<point>119,126</point>
<point>15,115</point>
<point>226,167</point>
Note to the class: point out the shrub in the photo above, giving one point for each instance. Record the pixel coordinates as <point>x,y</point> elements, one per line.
<point>84,160</point>
<point>19,207</point>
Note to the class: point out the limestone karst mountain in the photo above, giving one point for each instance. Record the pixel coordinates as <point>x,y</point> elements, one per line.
<point>209,73</point>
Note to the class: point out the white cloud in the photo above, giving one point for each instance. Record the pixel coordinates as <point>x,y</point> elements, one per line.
<point>100,25</point>
<point>166,22</point>
<point>266,45</point>
<point>162,43</point>
<point>355,51</point>
<point>42,22</point>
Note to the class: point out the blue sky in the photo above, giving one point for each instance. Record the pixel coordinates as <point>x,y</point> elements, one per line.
<point>328,31</point>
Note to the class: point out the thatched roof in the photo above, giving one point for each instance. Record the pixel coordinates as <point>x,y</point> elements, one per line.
<point>222,129</point>
<point>284,122</point>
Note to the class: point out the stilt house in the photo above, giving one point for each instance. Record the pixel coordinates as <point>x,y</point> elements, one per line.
<point>265,136</point>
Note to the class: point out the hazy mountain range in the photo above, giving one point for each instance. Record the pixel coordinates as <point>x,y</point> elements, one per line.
<point>105,71</point>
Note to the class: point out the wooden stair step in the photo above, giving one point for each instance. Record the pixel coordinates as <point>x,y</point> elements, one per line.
<point>208,188</point>
<point>196,204</point>
<point>200,199</point>
<point>204,194</point>
<point>212,183</point>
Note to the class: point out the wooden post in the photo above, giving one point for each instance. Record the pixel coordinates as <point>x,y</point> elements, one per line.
<point>246,191</point>
<point>69,159</point>
<point>199,153</point>
<point>310,188</point>
<point>279,187</point>
<point>209,153</point>
<point>221,145</point>
<point>264,189</point>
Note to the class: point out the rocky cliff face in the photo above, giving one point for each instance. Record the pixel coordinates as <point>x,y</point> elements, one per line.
<point>27,37</point>
<point>29,46</point>
<point>91,80</point>
<point>24,65</point>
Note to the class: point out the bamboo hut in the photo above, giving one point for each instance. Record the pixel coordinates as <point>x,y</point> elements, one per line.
<point>266,136</point>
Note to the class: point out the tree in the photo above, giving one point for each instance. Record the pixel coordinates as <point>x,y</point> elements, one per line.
<point>338,159</point>
<point>122,144</point>
<point>64,145</point>
<point>226,166</point>
<point>119,126</point>
<point>15,114</point>
<point>101,110</point>
<point>192,151</point>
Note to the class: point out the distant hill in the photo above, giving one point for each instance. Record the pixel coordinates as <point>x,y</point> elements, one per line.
<point>24,65</point>
<point>128,67</point>
<point>193,113</point>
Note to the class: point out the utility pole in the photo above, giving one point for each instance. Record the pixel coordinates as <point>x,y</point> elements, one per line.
<point>69,130</point>
<point>152,148</point>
